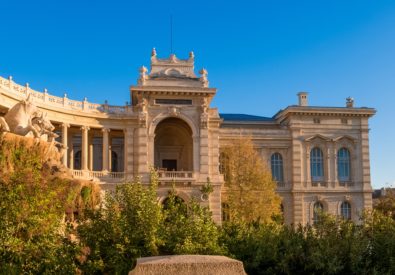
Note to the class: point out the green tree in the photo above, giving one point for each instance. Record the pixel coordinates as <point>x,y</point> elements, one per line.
<point>124,228</point>
<point>249,187</point>
<point>188,228</point>
<point>33,199</point>
<point>386,203</point>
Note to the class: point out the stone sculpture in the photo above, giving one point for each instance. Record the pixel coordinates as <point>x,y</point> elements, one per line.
<point>18,119</point>
<point>24,119</point>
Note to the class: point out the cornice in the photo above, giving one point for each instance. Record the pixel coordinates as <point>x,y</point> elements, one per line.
<point>324,111</point>
<point>174,90</point>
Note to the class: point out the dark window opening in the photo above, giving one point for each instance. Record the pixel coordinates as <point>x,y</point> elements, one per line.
<point>169,164</point>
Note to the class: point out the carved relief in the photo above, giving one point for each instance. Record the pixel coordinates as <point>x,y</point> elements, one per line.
<point>204,117</point>
<point>173,111</point>
<point>143,113</point>
<point>204,120</point>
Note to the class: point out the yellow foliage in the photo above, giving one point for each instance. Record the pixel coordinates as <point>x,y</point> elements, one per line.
<point>249,187</point>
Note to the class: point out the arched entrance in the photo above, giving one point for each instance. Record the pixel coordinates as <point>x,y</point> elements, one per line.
<point>173,146</point>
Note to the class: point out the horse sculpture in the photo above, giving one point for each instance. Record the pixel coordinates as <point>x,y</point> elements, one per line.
<point>44,127</point>
<point>18,119</point>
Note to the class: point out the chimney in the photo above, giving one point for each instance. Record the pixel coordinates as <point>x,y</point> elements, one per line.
<point>303,99</point>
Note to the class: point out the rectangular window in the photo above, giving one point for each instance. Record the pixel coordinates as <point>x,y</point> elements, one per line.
<point>168,101</point>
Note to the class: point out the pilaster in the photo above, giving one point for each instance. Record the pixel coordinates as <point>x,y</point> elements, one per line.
<point>128,143</point>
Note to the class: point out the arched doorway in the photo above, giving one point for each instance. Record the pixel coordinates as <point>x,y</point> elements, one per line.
<point>173,146</point>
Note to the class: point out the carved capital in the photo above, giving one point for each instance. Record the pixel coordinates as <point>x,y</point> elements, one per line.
<point>85,128</point>
<point>106,130</point>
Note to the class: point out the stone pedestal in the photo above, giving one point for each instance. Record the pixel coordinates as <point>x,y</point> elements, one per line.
<point>188,265</point>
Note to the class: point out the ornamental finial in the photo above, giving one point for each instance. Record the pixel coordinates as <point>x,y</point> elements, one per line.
<point>153,52</point>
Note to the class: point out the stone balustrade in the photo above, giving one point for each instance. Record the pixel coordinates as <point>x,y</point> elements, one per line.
<point>173,175</point>
<point>62,102</point>
<point>99,175</point>
<point>105,176</point>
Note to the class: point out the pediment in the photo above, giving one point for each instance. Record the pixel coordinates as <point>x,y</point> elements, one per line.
<point>345,137</point>
<point>319,137</point>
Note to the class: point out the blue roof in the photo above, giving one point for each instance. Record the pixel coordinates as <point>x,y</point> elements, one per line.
<point>244,117</point>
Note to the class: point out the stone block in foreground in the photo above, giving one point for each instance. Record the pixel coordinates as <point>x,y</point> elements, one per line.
<point>188,264</point>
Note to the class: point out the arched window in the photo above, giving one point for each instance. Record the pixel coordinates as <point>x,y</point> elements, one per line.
<point>318,208</point>
<point>277,167</point>
<point>345,210</point>
<point>317,164</point>
<point>343,164</point>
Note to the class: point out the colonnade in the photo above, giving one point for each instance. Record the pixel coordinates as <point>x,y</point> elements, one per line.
<point>87,150</point>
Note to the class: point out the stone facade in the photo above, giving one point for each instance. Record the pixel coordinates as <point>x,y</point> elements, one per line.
<point>319,155</point>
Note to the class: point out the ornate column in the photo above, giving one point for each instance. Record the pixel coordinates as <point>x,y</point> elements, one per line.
<point>64,142</point>
<point>105,167</point>
<point>84,148</point>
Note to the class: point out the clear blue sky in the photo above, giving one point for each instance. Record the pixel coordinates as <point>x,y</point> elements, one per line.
<point>259,54</point>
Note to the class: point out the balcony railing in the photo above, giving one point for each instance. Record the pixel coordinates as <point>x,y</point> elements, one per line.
<point>175,175</point>
<point>98,175</point>
<point>119,176</point>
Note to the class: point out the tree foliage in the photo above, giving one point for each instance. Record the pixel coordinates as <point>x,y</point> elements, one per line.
<point>33,200</point>
<point>133,224</point>
<point>250,189</point>
<point>332,246</point>
<point>124,228</point>
<point>188,228</point>
<point>386,203</point>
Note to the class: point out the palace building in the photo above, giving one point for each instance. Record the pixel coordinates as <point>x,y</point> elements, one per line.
<point>319,156</point>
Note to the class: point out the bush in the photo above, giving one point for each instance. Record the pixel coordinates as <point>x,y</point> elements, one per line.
<point>32,205</point>
<point>332,246</point>
<point>121,230</point>
<point>188,229</point>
